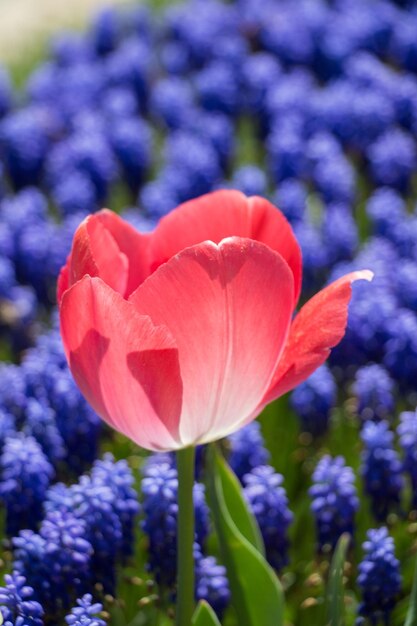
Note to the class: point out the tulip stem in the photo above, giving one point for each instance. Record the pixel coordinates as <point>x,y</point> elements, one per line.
<point>185,537</point>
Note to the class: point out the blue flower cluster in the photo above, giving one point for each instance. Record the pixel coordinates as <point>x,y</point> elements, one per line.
<point>85,613</point>
<point>381,469</point>
<point>17,604</point>
<point>313,401</point>
<point>86,531</point>
<point>263,490</point>
<point>269,503</point>
<point>379,578</point>
<point>26,475</point>
<point>334,501</point>
<point>247,450</point>
<point>407,432</point>
<point>142,114</point>
<point>374,390</point>
<point>40,398</point>
<point>46,428</point>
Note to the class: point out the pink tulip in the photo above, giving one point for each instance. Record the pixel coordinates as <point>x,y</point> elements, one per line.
<point>183,335</point>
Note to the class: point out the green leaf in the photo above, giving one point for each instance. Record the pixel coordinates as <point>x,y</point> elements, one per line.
<point>411,619</point>
<point>204,615</point>
<point>237,507</point>
<point>256,591</point>
<point>335,606</point>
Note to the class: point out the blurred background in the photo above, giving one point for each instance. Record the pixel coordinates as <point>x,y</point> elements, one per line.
<point>26,24</point>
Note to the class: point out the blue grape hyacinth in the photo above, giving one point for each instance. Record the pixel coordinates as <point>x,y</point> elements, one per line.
<point>119,477</point>
<point>56,561</point>
<point>211,582</point>
<point>374,390</point>
<point>334,501</point>
<point>85,613</point>
<point>247,450</point>
<point>25,475</point>
<point>269,503</point>
<point>379,578</point>
<point>313,401</point>
<point>17,604</point>
<point>407,431</point>
<point>381,469</point>
<point>93,503</point>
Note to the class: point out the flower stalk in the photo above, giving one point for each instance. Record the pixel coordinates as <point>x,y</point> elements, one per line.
<point>185,537</point>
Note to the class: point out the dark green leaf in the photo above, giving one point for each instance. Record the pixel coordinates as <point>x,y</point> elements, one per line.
<point>411,619</point>
<point>256,591</point>
<point>204,615</point>
<point>335,605</point>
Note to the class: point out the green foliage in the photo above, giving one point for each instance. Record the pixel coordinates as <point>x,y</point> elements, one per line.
<point>335,602</point>
<point>204,615</point>
<point>411,619</point>
<point>256,591</point>
<point>236,503</point>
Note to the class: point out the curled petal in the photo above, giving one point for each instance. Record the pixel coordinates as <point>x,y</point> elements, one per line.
<point>126,367</point>
<point>95,252</point>
<point>106,246</point>
<point>133,244</point>
<point>222,214</point>
<point>229,308</point>
<point>63,280</point>
<point>318,327</point>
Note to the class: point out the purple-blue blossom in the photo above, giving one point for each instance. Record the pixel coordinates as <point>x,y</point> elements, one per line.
<point>381,470</point>
<point>85,613</point>
<point>407,433</point>
<point>17,604</point>
<point>247,450</point>
<point>379,578</point>
<point>267,499</point>
<point>334,501</point>
<point>374,390</point>
<point>25,475</point>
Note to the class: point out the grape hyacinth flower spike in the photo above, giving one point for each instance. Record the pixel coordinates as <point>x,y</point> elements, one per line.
<point>379,578</point>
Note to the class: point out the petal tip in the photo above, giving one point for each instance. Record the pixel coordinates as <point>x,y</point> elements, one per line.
<point>363,275</point>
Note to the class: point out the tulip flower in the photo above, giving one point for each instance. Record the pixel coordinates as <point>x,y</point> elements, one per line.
<point>181,336</point>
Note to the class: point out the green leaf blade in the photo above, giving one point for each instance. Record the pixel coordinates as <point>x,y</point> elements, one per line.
<point>204,615</point>
<point>335,605</point>
<point>411,618</point>
<point>256,591</point>
<point>237,506</point>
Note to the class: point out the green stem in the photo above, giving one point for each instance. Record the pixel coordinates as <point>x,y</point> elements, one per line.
<point>185,537</point>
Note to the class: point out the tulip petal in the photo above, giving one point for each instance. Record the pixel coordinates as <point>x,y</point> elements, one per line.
<point>126,367</point>
<point>95,252</point>
<point>222,214</point>
<point>132,243</point>
<point>318,327</point>
<point>106,246</point>
<point>63,280</point>
<point>229,308</point>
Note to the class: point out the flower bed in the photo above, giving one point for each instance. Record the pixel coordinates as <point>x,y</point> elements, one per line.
<point>314,106</point>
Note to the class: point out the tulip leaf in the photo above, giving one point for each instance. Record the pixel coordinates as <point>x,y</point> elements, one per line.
<point>411,619</point>
<point>335,606</point>
<point>204,615</point>
<point>257,595</point>
<point>237,506</point>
